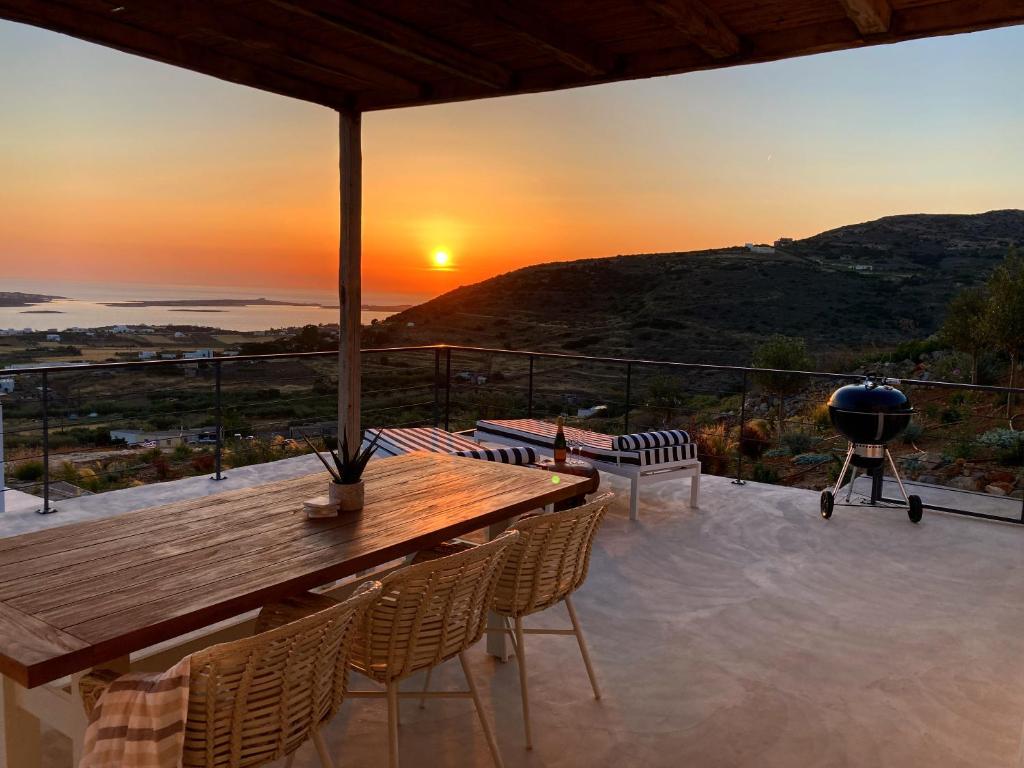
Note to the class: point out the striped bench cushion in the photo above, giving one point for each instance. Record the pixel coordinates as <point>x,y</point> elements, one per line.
<point>501,455</point>
<point>394,442</point>
<point>642,440</point>
<point>596,446</point>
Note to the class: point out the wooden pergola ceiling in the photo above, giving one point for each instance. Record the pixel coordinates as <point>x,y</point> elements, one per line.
<point>392,53</point>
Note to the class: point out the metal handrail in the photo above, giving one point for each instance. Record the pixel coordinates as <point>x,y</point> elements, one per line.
<point>511,353</point>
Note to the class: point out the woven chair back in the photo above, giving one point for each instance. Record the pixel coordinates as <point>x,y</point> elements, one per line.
<point>429,612</point>
<point>255,700</point>
<point>550,559</point>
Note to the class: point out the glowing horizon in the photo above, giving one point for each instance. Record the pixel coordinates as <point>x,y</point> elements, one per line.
<point>114,167</point>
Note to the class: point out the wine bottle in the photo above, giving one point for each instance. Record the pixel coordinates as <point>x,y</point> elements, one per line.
<point>559,447</point>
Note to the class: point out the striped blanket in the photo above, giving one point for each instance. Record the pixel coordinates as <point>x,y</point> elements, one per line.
<point>139,721</point>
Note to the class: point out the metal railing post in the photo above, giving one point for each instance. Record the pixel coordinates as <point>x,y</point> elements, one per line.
<point>447,388</point>
<point>46,508</point>
<point>629,381</point>
<point>218,420</point>
<point>437,386</point>
<point>529,396</point>
<point>739,448</point>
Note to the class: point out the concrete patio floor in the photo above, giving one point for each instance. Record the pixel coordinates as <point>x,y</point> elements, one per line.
<point>751,632</point>
<point>746,633</point>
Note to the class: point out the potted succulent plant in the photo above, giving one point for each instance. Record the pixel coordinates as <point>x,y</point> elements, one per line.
<point>346,486</point>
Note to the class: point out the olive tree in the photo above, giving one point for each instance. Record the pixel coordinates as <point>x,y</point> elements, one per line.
<point>781,353</point>
<point>965,327</point>
<point>1004,318</point>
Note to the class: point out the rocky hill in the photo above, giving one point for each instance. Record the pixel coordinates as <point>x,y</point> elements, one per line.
<point>869,285</point>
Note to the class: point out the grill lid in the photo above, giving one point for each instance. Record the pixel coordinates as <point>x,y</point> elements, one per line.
<point>870,397</point>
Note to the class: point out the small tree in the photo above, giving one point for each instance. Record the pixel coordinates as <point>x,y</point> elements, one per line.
<point>666,394</point>
<point>783,353</point>
<point>1004,318</point>
<point>965,327</point>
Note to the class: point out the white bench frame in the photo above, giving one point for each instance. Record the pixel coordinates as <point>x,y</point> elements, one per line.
<point>635,473</point>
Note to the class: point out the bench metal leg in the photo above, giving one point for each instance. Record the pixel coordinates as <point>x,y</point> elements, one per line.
<point>695,490</point>
<point>634,497</point>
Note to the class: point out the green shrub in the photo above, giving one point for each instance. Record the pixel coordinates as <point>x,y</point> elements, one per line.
<point>912,433</point>
<point>29,471</point>
<point>812,458</point>
<point>1009,443</point>
<point>763,474</point>
<point>797,441</point>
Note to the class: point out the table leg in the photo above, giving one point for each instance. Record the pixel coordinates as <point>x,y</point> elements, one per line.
<point>20,743</point>
<point>497,641</point>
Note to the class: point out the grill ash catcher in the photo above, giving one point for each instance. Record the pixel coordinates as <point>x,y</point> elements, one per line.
<point>869,415</point>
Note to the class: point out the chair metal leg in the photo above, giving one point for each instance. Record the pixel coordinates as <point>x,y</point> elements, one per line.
<point>488,732</point>
<point>695,490</point>
<point>578,630</point>
<point>521,662</point>
<point>289,761</point>
<point>392,725</point>
<point>321,750</point>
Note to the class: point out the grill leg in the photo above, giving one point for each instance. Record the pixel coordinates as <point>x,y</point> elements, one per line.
<point>849,489</point>
<point>896,474</point>
<point>842,472</point>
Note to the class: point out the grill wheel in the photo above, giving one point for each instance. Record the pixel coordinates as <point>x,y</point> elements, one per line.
<point>828,502</point>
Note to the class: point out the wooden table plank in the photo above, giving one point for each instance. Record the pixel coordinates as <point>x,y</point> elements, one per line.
<point>98,590</point>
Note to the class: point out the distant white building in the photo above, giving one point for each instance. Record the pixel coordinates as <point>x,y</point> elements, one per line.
<point>597,410</point>
<point>168,355</point>
<point>147,354</point>
<point>760,248</point>
<point>179,335</point>
<point>120,329</point>
<point>6,386</point>
<point>782,242</point>
<point>53,337</point>
<point>198,354</point>
<point>229,353</point>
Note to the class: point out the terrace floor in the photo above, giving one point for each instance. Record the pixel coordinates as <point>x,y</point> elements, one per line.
<point>751,632</point>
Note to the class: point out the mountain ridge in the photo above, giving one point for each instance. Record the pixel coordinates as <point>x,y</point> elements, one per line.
<point>872,284</point>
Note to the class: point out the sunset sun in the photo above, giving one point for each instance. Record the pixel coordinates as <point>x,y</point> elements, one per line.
<point>441,258</point>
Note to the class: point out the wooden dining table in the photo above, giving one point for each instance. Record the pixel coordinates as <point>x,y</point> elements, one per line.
<point>88,594</point>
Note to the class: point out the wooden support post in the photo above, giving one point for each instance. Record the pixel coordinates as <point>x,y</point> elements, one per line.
<point>349,290</point>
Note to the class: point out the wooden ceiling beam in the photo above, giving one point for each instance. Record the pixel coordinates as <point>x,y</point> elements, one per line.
<point>401,39</point>
<point>872,17</point>
<point>109,30</point>
<point>218,21</point>
<point>701,26</point>
<point>532,25</point>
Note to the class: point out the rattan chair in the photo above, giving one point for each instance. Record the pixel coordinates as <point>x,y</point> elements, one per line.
<point>548,562</point>
<point>426,614</point>
<point>258,699</point>
<point>545,566</point>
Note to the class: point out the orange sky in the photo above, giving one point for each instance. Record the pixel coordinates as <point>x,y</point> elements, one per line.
<point>116,168</point>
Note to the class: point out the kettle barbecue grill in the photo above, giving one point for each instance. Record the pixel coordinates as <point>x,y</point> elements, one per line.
<point>869,415</point>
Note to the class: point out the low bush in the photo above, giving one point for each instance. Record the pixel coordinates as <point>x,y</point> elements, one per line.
<point>763,474</point>
<point>798,441</point>
<point>1008,443</point>
<point>755,440</point>
<point>912,433</point>
<point>28,471</point>
<point>716,447</point>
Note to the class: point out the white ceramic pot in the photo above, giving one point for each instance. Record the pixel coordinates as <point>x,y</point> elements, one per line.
<point>348,496</point>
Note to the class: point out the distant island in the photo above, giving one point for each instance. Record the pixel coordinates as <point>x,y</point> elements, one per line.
<point>15,299</point>
<point>260,302</point>
<point>41,312</point>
